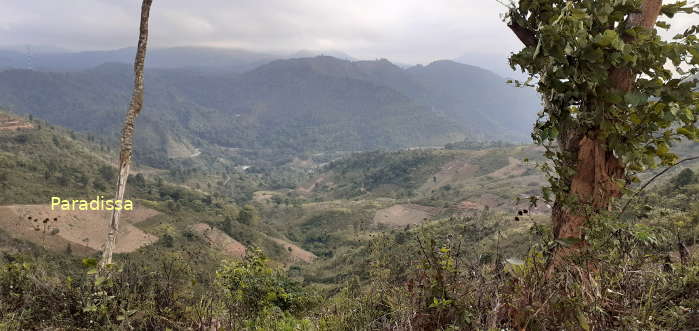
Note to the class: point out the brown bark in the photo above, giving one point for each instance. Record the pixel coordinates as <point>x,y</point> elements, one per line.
<point>127,131</point>
<point>527,37</point>
<point>593,186</point>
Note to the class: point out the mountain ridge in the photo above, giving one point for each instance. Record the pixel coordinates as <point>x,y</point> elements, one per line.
<point>282,105</point>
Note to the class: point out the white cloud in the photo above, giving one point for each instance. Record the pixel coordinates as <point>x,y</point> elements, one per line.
<point>413,31</point>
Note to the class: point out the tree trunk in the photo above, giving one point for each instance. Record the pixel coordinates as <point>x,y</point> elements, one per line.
<point>127,132</point>
<point>593,186</point>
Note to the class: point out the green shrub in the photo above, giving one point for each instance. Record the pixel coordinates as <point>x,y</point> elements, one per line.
<point>252,287</point>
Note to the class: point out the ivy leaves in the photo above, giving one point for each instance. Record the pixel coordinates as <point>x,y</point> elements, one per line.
<point>581,46</point>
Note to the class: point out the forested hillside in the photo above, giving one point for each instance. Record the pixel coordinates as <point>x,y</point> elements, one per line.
<point>292,106</point>
<point>171,187</point>
<point>416,224</point>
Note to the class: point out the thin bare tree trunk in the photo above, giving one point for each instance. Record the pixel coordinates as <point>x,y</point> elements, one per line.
<point>127,132</point>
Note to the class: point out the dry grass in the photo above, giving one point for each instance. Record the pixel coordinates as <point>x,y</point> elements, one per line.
<point>402,215</point>
<point>220,240</point>
<point>85,231</point>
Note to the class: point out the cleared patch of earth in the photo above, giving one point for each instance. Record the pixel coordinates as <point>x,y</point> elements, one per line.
<point>297,253</point>
<point>303,164</point>
<point>8,123</point>
<point>220,240</point>
<point>514,168</point>
<point>263,196</point>
<point>178,149</point>
<point>312,186</point>
<point>407,214</point>
<point>449,173</point>
<point>85,231</point>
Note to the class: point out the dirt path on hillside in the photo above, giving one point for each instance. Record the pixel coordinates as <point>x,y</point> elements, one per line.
<point>312,185</point>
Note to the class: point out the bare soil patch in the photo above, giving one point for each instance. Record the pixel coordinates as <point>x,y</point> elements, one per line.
<point>8,123</point>
<point>407,214</point>
<point>449,173</point>
<point>297,253</point>
<point>177,149</point>
<point>220,240</point>
<point>85,231</point>
<point>263,196</point>
<point>311,186</point>
<point>514,168</point>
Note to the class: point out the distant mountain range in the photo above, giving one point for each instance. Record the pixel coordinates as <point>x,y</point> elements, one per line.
<point>47,58</point>
<point>174,57</point>
<point>295,105</point>
<point>495,62</point>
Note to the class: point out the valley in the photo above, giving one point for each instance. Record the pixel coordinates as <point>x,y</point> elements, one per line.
<point>307,191</point>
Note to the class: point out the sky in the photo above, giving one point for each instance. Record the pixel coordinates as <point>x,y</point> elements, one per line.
<point>404,31</point>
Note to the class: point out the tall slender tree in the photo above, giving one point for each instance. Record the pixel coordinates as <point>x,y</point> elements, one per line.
<point>615,98</point>
<point>127,132</point>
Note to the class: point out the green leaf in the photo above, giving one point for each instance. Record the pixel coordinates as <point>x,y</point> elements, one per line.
<point>662,25</point>
<point>635,98</point>
<point>90,308</point>
<point>686,132</point>
<point>567,242</point>
<point>89,262</point>
<point>612,97</point>
<point>515,261</point>
<point>608,38</point>
<point>582,320</point>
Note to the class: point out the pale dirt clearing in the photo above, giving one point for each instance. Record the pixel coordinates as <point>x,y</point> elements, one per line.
<point>8,123</point>
<point>306,189</point>
<point>297,253</point>
<point>514,168</point>
<point>16,228</point>
<point>79,228</point>
<point>263,196</point>
<point>220,240</point>
<point>401,215</point>
<point>450,173</point>
<point>179,149</point>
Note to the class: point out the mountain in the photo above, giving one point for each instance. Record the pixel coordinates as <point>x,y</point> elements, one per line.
<point>496,62</point>
<point>482,100</point>
<point>295,105</point>
<point>475,98</point>
<point>202,58</point>
<point>280,106</point>
<point>313,53</point>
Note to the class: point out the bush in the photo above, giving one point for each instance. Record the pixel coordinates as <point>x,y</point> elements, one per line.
<point>685,177</point>
<point>251,288</point>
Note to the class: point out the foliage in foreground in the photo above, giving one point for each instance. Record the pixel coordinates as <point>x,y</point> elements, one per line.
<point>453,274</point>
<point>35,294</point>
<point>420,279</point>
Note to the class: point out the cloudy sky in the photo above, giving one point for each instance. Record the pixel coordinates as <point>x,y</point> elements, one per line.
<point>406,31</point>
